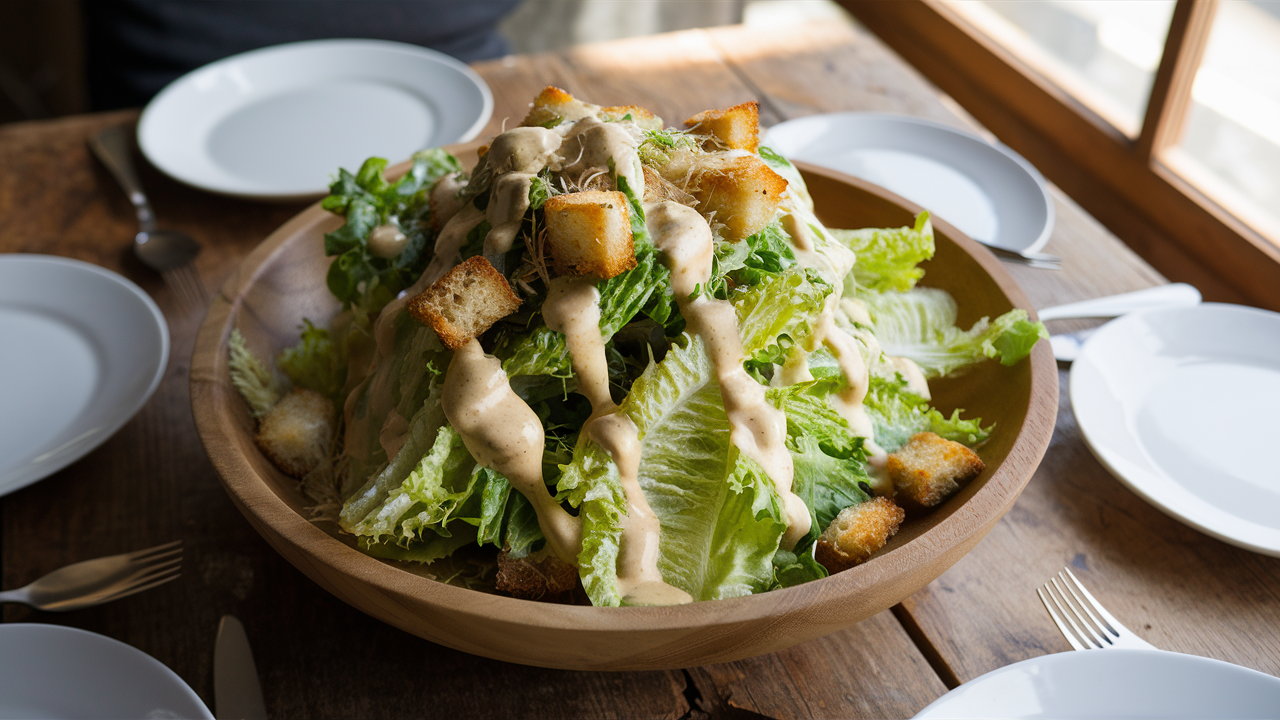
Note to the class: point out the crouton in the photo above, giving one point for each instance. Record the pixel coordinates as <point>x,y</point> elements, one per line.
<point>589,233</point>
<point>741,192</point>
<point>734,128</point>
<point>535,577</point>
<point>554,106</point>
<point>465,302</point>
<point>857,533</point>
<point>929,469</point>
<point>295,434</point>
<point>643,119</point>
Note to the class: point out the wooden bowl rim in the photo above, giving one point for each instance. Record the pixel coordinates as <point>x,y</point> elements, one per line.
<point>263,507</point>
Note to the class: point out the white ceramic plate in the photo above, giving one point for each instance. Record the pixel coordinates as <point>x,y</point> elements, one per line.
<point>987,191</point>
<point>277,123</point>
<point>1114,684</point>
<point>1181,404</point>
<point>50,671</point>
<point>81,351</point>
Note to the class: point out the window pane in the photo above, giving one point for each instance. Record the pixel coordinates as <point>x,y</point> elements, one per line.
<point>1231,142</point>
<point>1104,52</point>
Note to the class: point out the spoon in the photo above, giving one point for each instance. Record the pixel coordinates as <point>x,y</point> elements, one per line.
<point>1066,346</point>
<point>169,252</point>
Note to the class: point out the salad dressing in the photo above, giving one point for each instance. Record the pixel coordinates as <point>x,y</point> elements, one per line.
<point>503,433</point>
<point>572,307</point>
<point>593,146</point>
<point>522,150</point>
<point>448,245</point>
<point>507,205</point>
<point>386,241</point>
<point>395,430</point>
<point>445,198</point>
<point>757,428</point>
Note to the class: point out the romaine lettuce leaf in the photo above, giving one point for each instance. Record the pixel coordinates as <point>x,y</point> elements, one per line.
<point>887,257</point>
<point>897,414</point>
<point>921,325</point>
<point>720,515</point>
<point>792,568</point>
<point>428,497</point>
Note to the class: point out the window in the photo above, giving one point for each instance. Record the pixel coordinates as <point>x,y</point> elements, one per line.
<point>1160,118</point>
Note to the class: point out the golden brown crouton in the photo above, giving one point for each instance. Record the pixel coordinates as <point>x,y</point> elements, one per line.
<point>741,191</point>
<point>295,434</point>
<point>589,233</point>
<point>929,469</point>
<point>554,106</point>
<point>535,577</point>
<point>735,128</point>
<point>465,302</point>
<point>857,533</point>
<point>641,117</point>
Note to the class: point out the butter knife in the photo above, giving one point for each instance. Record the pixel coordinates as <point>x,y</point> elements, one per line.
<point>236,692</point>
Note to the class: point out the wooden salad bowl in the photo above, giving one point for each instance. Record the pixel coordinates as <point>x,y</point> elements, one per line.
<point>282,281</point>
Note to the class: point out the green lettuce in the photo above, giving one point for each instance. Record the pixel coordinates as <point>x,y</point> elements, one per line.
<point>315,362</point>
<point>921,325</point>
<point>887,257</point>
<point>897,414</point>
<point>367,200</point>
<point>721,517</point>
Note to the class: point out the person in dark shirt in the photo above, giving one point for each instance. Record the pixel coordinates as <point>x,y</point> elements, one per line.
<point>137,47</point>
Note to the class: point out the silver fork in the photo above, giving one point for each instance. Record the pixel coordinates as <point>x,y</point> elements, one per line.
<point>1091,626</point>
<point>1044,261</point>
<point>169,252</point>
<point>104,579</point>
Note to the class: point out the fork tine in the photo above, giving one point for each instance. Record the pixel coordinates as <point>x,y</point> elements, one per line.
<point>157,557</point>
<point>1091,641</point>
<point>1111,623</point>
<point>192,279</point>
<point>147,571</point>
<point>135,589</point>
<point>1057,620</point>
<point>136,554</point>
<point>1099,636</point>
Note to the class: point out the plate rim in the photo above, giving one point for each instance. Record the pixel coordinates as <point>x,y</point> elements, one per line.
<point>1104,455</point>
<point>1075,656</point>
<point>1004,150</point>
<point>82,635</point>
<point>15,479</point>
<point>154,110</point>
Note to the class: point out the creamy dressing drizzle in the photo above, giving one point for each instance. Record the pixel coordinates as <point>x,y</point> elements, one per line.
<point>507,205</point>
<point>757,428</point>
<point>572,307</point>
<point>502,432</point>
<point>592,144</point>
<point>445,200</point>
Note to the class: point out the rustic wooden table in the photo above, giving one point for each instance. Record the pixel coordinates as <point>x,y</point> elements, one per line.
<point>151,482</point>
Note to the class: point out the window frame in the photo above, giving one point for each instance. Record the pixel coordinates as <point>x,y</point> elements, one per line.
<point>1128,184</point>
